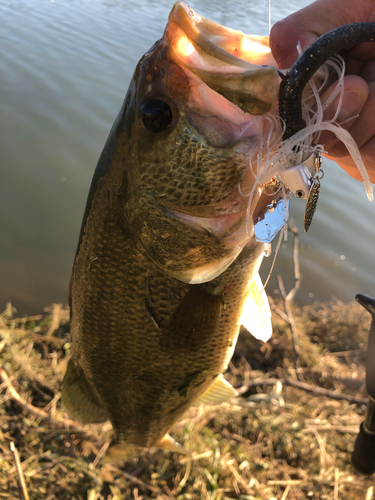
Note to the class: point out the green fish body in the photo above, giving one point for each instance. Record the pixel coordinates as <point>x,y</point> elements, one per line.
<point>166,259</point>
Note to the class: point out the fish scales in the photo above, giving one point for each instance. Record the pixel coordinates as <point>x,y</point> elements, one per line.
<point>210,176</point>
<point>165,260</point>
<point>189,340</point>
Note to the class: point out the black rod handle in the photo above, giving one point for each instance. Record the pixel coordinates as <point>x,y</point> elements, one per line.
<point>363,456</point>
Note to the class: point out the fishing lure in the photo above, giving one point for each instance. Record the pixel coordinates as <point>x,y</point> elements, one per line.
<point>313,198</point>
<point>288,158</point>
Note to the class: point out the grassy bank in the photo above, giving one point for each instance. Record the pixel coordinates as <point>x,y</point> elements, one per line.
<point>283,439</point>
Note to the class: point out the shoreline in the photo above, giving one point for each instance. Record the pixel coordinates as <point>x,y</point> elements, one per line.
<point>279,440</point>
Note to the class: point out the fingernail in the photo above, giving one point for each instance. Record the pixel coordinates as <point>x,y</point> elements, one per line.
<point>352,103</point>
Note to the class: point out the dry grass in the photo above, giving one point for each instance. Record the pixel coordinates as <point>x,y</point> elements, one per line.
<point>278,442</point>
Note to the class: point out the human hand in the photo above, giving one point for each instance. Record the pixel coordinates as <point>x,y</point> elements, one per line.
<point>307,25</point>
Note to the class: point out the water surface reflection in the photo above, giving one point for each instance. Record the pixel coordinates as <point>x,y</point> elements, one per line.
<point>65,67</point>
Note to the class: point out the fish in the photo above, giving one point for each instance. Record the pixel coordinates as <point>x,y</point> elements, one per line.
<point>167,265</point>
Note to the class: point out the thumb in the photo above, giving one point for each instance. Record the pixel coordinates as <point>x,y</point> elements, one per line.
<point>284,39</point>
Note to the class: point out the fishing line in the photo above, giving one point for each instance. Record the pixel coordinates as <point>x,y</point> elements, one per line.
<point>269,16</point>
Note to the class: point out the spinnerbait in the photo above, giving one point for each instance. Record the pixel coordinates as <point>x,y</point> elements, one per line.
<point>313,198</point>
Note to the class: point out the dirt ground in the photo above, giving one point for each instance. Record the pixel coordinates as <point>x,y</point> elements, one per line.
<point>282,439</point>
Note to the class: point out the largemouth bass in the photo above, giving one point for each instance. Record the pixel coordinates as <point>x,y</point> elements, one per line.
<point>167,258</point>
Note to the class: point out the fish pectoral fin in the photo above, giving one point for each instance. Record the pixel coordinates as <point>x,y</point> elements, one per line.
<point>167,443</point>
<point>256,313</point>
<point>219,392</point>
<point>78,399</point>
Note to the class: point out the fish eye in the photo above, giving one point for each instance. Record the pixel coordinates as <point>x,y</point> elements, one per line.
<point>156,115</point>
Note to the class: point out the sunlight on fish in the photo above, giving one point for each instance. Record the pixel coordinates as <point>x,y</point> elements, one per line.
<point>184,47</point>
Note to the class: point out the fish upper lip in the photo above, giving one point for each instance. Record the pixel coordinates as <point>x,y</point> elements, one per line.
<point>183,15</point>
<point>216,40</point>
<point>225,217</point>
<point>208,212</point>
<point>232,204</point>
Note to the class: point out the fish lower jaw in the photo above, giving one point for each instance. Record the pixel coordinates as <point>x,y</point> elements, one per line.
<point>211,271</point>
<point>232,229</point>
<point>234,234</point>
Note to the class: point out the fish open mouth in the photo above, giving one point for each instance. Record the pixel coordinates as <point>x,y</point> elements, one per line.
<point>238,66</point>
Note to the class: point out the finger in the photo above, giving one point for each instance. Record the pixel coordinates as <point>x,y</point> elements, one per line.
<point>355,95</point>
<point>368,70</point>
<point>284,38</point>
<point>368,158</point>
<point>362,129</point>
<point>311,22</point>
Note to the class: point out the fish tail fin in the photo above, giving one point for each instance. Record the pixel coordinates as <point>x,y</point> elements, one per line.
<point>118,452</point>
<point>78,399</point>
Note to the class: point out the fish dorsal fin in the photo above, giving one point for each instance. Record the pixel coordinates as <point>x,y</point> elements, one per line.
<point>218,392</point>
<point>167,443</point>
<point>256,313</point>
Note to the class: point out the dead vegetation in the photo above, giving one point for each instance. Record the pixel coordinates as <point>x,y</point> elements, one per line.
<point>277,442</point>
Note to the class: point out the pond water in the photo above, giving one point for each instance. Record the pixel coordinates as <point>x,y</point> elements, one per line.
<point>64,70</point>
